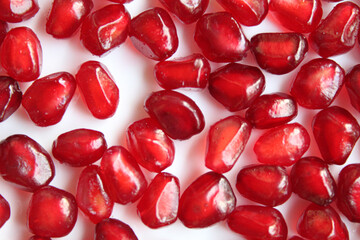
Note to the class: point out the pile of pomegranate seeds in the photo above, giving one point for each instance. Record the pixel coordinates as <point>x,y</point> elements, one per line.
<point>173,119</point>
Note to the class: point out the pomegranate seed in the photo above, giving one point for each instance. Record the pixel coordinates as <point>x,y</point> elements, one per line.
<point>258,222</point>
<point>265,184</point>
<point>352,83</point>
<point>150,146</point>
<point>158,206</point>
<point>337,33</point>
<point>24,162</point>
<point>3,30</point>
<point>47,99</point>
<point>208,200</point>
<point>153,33</point>
<point>21,54</point>
<point>10,97</point>
<point>226,141</point>
<point>336,132</point>
<point>113,229</point>
<point>66,16</point>
<point>296,238</point>
<point>279,53</point>
<point>17,10</point>
<point>4,211</point>
<point>312,180</point>
<point>317,83</point>
<point>178,115</point>
<point>105,29</point>
<point>98,89</point>
<point>189,72</point>
<point>39,238</point>
<point>236,86</point>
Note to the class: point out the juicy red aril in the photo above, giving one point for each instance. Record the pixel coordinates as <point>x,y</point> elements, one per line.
<point>220,37</point>
<point>47,99</point>
<point>17,10</point>
<point>189,72</point>
<point>226,141</point>
<point>208,200</point>
<point>3,30</point>
<point>279,53</point>
<point>4,211</point>
<point>158,206</point>
<point>39,238</point>
<point>352,84</point>
<point>24,162</point>
<point>236,86</point>
<point>113,229</point>
<point>178,115</point>
<point>336,132</point>
<point>153,33</point>
<point>10,97</point>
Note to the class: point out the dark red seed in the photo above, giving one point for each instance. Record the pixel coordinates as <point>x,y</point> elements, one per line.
<point>4,211</point>
<point>352,84</point>
<point>113,229</point>
<point>18,10</point>
<point>10,97</point>
<point>3,30</point>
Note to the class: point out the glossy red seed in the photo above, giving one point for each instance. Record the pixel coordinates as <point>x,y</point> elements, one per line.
<point>189,72</point>
<point>236,86</point>
<point>25,163</point>
<point>18,10</point>
<point>39,238</point>
<point>312,180</point>
<point>226,141</point>
<point>10,97</point>
<point>159,205</point>
<point>352,84</point>
<point>47,99</point>
<point>220,37</point>
<point>3,30</point>
<point>336,131</point>
<point>4,211</point>
<point>113,229</point>
<point>178,115</point>
<point>153,33</point>
<point>208,200</point>
<point>21,54</point>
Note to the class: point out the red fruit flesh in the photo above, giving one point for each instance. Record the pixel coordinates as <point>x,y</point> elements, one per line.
<point>25,163</point>
<point>113,229</point>
<point>336,132</point>
<point>3,30</point>
<point>47,99</point>
<point>158,206</point>
<point>352,84</point>
<point>208,200</point>
<point>17,10</point>
<point>4,211</point>
<point>226,141</point>
<point>10,97</point>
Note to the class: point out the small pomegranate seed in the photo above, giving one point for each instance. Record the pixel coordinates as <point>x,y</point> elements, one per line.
<point>17,10</point>
<point>352,83</point>
<point>279,53</point>
<point>189,72</point>
<point>153,33</point>
<point>158,206</point>
<point>208,200</point>
<point>178,115</point>
<point>258,222</point>
<point>3,30</point>
<point>312,180</point>
<point>24,162</point>
<point>4,211</point>
<point>220,37</point>
<point>149,144</point>
<point>21,54</point>
<point>47,99</point>
<point>39,238</point>
<point>236,86</point>
<point>10,97</point>
<point>336,132</point>
<point>226,141</point>
<point>113,229</point>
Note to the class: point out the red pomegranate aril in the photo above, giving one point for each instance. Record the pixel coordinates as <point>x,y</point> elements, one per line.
<point>18,10</point>
<point>220,37</point>
<point>3,30</point>
<point>226,141</point>
<point>208,200</point>
<point>236,86</point>
<point>352,84</point>
<point>312,180</point>
<point>24,162</point>
<point>296,238</point>
<point>10,97</point>
<point>113,229</point>
<point>4,211</point>
<point>336,131</point>
<point>159,205</point>
<point>21,54</point>
<point>189,72</point>
<point>153,33</point>
<point>47,99</point>
<point>258,222</point>
<point>39,238</point>
<point>177,114</point>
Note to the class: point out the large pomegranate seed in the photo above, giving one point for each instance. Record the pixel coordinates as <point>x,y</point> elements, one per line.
<point>208,200</point>
<point>258,222</point>
<point>17,10</point>
<point>220,37</point>
<point>113,229</point>
<point>39,238</point>
<point>178,115</point>
<point>312,180</point>
<point>66,16</point>
<point>279,53</point>
<point>153,33</point>
<point>47,99</point>
<point>3,30</point>
<point>226,141</point>
<point>158,206</point>
<point>4,211</point>
<point>21,54</point>
<point>336,132</point>
<point>24,162</point>
<point>317,83</point>
<point>236,86</point>
<point>352,84</point>
<point>10,97</point>
<point>98,88</point>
